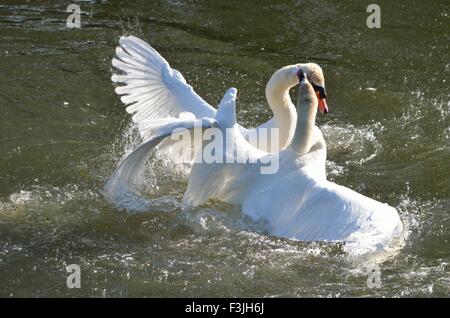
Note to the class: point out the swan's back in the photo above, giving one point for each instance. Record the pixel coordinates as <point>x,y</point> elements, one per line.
<point>311,209</point>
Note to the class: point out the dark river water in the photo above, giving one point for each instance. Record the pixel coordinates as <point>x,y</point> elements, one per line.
<point>63,130</point>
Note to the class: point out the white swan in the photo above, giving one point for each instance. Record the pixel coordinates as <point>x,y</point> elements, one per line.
<point>297,201</point>
<point>153,90</point>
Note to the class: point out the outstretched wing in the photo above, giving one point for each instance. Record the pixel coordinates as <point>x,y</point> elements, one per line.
<point>125,178</point>
<point>152,88</point>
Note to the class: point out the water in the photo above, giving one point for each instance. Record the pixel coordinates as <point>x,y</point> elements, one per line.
<point>63,131</point>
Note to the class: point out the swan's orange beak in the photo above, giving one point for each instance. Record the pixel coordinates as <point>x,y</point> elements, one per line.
<point>323,106</point>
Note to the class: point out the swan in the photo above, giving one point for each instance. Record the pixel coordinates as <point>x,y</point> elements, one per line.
<point>153,90</point>
<point>296,201</point>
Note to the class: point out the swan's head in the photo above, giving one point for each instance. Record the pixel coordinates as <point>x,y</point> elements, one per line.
<point>306,94</point>
<point>315,76</point>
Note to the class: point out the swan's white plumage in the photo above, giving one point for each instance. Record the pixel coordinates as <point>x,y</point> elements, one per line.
<point>125,177</point>
<point>296,202</point>
<point>152,89</point>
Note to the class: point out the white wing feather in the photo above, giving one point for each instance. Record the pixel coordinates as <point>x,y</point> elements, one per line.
<point>122,185</point>
<point>152,89</point>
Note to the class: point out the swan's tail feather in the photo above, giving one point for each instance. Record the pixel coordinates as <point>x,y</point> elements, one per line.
<point>122,185</point>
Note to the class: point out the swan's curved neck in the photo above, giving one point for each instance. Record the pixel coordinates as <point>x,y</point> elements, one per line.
<point>304,131</point>
<point>279,100</point>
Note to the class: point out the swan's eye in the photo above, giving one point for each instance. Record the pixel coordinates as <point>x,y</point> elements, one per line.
<point>320,89</point>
